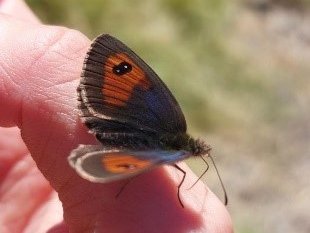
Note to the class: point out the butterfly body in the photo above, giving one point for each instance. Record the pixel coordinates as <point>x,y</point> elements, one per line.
<point>131,112</point>
<point>153,142</point>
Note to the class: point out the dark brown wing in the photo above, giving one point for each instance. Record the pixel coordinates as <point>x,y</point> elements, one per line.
<point>119,92</point>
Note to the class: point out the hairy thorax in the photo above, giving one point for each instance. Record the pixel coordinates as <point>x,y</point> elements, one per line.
<point>181,141</point>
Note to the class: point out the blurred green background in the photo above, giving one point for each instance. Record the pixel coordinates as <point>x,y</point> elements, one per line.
<point>240,71</point>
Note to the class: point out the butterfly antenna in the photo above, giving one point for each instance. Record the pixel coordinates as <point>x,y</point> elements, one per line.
<point>218,175</point>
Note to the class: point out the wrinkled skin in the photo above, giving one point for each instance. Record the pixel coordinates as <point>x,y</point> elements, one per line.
<point>39,72</point>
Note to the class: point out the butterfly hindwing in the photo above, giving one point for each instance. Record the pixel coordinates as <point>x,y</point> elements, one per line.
<point>119,90</point>
<point>100,165</point>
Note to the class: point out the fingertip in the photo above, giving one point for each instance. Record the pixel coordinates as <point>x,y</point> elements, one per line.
<point>204,202</point>
<point>217,216</point>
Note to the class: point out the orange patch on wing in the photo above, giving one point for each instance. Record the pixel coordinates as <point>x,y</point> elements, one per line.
<point>117,89</point>
<point>123,163</point>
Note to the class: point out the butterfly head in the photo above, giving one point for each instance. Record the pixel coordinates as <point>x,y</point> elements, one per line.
<point>196,147</point>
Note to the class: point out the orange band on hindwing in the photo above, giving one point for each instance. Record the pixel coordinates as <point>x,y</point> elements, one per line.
<point>123,163</point>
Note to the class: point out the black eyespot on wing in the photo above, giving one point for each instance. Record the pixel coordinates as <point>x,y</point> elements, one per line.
<point>122,68</point>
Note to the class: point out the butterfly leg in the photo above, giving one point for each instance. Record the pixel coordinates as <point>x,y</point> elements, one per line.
<point>205,171</point>
<point>179,186</point>
<point>123,187</point>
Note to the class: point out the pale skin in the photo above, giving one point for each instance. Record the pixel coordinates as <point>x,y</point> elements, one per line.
<point>40,67</point>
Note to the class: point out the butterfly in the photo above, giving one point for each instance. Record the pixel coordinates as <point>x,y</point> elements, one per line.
<point>132,113</point>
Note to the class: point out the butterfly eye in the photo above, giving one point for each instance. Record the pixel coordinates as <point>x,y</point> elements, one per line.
<point>122,68</point>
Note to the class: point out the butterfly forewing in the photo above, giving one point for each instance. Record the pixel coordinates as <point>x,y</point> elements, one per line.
<point>117,87</point>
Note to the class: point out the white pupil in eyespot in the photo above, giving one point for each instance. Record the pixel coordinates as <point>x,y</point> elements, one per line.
<point>122,68</point>
<point>127,166</point>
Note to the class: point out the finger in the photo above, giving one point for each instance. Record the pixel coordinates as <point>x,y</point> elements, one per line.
<point>21,194</point>
<point>39,93</point>
<point>48,217</point>
<point>19,10</point>
<point>12,149</point>
<point>23,190</point>
<point>31,66</point>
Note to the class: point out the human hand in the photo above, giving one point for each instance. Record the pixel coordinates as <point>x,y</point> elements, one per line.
<point>39,71</point>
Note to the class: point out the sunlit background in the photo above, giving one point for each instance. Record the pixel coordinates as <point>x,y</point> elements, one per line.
<point>240,70</point>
